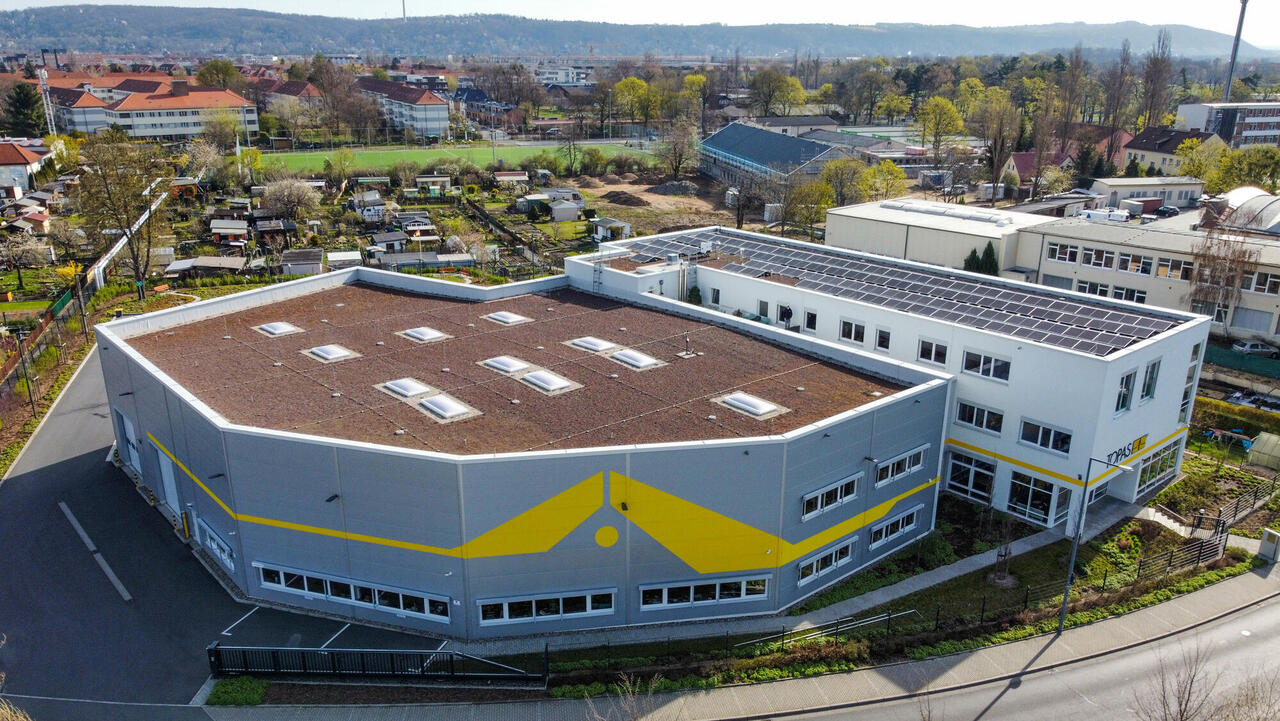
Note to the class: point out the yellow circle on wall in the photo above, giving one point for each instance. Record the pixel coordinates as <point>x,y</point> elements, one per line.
<point>607,536</point>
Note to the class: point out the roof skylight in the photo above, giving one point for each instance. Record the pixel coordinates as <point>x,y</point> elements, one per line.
<point>506,317</point>
<point>423,334</point>
<point>278,328</point>
<point>593,344</point>
<point>506,364</point>
<point>749,404</point>
<point>546,381</point>
<point>407,387</point>
<point>634,358</point>
<point>331,352</point>
<point>445,407</point>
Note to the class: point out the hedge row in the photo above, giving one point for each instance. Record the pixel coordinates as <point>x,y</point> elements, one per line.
<point>1211,413</point>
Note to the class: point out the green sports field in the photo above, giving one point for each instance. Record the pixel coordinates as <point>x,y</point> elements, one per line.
<point>481,155</point>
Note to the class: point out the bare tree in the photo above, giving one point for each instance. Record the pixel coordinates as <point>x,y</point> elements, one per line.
<point>1180,689</point>
<point>1257,699</point>
<point>1225,262</point>
<point>997,121</point>
<point>123,182</point>
<point>18,250</point>
<point>1117,91</point>
<point>1157,74</point>
<point>679,146</point>
<point>1071,85</point>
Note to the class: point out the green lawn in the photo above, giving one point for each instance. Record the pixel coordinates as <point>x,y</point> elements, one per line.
<point>481,155</point>
<point>23,305</point>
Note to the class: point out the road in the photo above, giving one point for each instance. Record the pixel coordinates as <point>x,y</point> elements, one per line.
<point>68,630</point>
<point>1098,690</point>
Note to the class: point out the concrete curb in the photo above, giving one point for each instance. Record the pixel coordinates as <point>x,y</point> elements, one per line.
<point>83,362</point>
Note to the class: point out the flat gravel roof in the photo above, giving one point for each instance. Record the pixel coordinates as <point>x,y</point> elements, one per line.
<point>254,379</point>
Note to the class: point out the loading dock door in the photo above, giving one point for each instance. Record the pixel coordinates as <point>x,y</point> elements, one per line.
<point>170,485</point>
<point>130,451</point>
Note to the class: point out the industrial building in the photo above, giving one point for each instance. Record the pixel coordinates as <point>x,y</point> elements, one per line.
<point>520,459</point>
<point>1045,379</point>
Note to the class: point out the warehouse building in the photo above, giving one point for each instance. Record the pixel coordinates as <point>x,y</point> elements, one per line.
<point>522,459</point>
<point>1045,379</point>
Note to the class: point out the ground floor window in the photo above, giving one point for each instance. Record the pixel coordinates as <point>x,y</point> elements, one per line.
<point>1031,498</point>
<point>355,593</point>
<point>1062,506</point>
<point>894,527</point>
<point>825,562</point>
<point>971,477</point>
<point>1158,467</point>
<point>546,607</point>
<point>1098,491</point>
<point>729,590</point>
<point>217,547</point>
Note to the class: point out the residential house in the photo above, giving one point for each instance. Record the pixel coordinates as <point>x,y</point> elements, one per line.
<point>403,106</point>
<point>19,162</point>
<point>605,229</point>
<point>797,125</point>
<point>269,91</point>
<point>1023,165</point>
<point>370,205</point>
<point>492,114</point>
<point>1240,125</point>
<point>571,94</point>
<point>462,97</point>
<point>1156,148</point>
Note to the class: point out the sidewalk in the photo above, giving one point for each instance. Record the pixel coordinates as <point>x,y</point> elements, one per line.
<point>870,685</point>
<point>1101,517</point>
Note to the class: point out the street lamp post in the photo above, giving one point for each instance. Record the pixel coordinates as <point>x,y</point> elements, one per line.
<point>1075,540</point>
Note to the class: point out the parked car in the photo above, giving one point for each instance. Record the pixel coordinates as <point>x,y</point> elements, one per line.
<point>1253,347</point>
<point>1168,211</point>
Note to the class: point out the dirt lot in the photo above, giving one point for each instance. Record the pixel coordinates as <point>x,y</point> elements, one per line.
<point>661,212</point>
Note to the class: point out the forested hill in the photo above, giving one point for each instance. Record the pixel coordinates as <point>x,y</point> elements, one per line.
<point>136,29</point>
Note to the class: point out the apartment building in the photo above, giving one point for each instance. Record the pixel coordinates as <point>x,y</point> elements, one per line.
<point>403,106</point>
<point>1240,125</point>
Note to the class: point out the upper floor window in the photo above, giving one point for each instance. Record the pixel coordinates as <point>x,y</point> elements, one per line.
<point>1046,437</point>
<point>1149,379</point>
<point>903,465</point>
<point>1124,395</point>
<point>986,366</point>
<point>1098,258</point>
<point>933,352</point>
<point>1063,252</point>
<point>1175,269</point>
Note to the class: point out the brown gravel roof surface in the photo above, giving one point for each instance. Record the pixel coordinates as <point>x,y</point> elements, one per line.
<point>238,378</point>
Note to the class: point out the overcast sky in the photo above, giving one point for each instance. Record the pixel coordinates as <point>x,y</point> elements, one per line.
<point>1220,15</point>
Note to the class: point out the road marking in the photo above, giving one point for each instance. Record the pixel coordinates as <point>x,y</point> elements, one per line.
<point>75,524</point>
<point>1246,633</point>
<point>97,557</point>
<point>111,576</point>
<point>331,638</point>
<point>226,631</point>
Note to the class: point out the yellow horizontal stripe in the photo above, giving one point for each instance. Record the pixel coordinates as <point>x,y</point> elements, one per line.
<point>1149,448</point>
<point>1015,461</point>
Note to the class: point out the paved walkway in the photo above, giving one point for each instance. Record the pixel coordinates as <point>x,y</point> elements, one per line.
<point>867,686</point>
<point>1102,516</point>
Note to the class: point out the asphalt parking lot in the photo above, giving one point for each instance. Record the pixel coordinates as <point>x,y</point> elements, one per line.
<point>112,605</point>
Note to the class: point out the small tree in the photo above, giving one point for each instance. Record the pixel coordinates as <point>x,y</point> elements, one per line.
<point>679,147</point>
<point>1181,689</point>
<point>937,122</point>
<point>842,176</point>
<point>220,73</point>
<point>18,250</point>
<point>894,106</point>
<point>972,262</point>
<point>883,180</point>
<point>989,264</point>
<point>221,129</point>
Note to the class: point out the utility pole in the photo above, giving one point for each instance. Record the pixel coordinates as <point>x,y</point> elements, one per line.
<point>1235,48</point>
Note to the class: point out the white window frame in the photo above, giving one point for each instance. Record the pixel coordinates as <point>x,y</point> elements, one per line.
<point>1093,287</point>
<point>375,588</point>
<point>743,597</point>
<point>1133,295</point>
<point>804,323</point>
<point>1062,252</point>
<point>218,547</point>
<point>888,339</point>
<point>505,602</point>
<point>888,537</point>
<point>970,462</point>
<point>1158,466</point>
<point>840,554</point>
<point>987,363</point>
<point>1125,391</point>
<point>821,496</point>
<point>911,465</point>
<point>1034,483</point>
<point>854,325</point>
<point>1150,379</point>
<point>1098,258</point>
<point>1051,429</point>
<point>934,346</point>
<point>982,411</point>
<point>1165,269</point>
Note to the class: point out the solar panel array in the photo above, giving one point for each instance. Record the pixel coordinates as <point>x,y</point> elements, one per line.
<point>1041,317</point>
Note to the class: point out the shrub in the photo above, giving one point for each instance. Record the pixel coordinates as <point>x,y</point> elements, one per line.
<point>238,691</point>
<point>1210,412</point>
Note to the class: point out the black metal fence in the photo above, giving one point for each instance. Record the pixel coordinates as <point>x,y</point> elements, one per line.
<point>452,665</point>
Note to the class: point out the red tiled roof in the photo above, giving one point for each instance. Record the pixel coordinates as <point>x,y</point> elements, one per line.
<point>1025,163</point>
<point>69,98</point>
<point>195,98</point>
<point>15,154</point>
<point>399,92</point>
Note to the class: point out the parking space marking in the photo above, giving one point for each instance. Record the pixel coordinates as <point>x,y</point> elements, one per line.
<point>331,638</point>
<point>75,524</point>
<point>93,549</point>
<point>227,631</point>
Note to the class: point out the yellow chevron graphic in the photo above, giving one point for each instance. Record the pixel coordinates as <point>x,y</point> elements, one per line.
<point>713,543</point>
<point>709,542</point>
